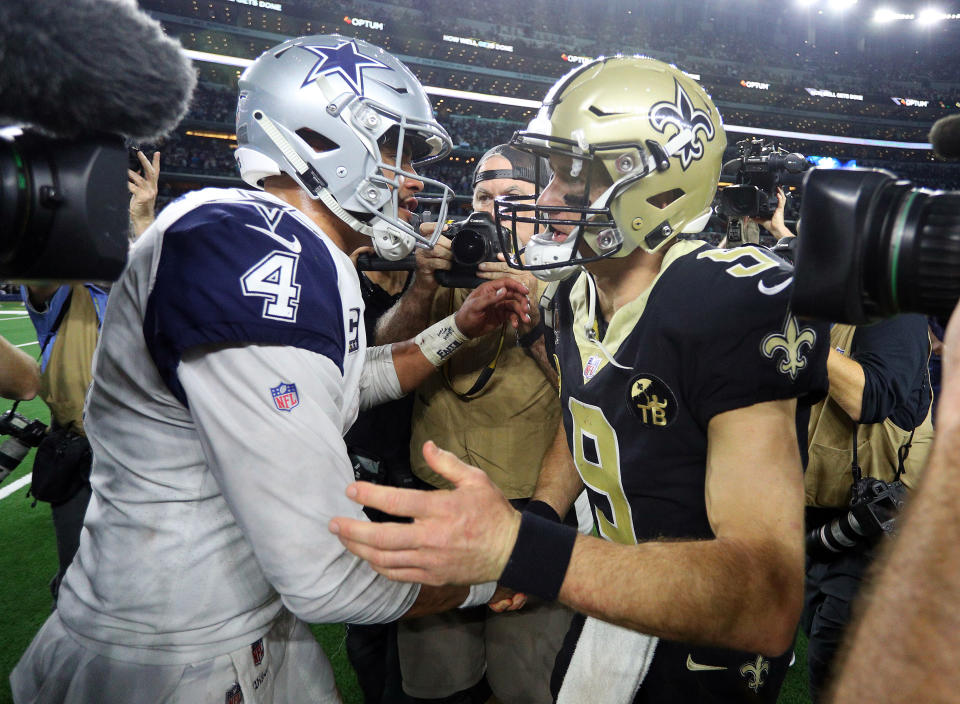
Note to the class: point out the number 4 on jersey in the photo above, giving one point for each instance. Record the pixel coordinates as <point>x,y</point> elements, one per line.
<point>274,279</point>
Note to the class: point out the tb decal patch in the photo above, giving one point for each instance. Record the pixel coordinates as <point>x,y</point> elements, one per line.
<point>652,401</point>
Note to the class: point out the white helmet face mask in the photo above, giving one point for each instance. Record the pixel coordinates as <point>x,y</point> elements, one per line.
<point>637,146</point>
<point>353,96</point>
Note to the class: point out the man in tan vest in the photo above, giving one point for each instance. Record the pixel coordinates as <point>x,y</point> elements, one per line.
<point>503,423</point>
<point>880,400</point>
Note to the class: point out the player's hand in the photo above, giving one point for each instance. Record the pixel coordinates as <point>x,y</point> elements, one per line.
<point>493,304</point>
<point>429,261</point>
<point>507,600</point>
<point>143,192</point>
<point>458,536</point>
<point>500,270</point>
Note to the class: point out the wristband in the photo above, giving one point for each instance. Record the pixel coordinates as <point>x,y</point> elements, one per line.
<point>479,595</point>
<point>538,562</point>
<point>440,340</point>
<point>542,509</point>
<point>528,338</point>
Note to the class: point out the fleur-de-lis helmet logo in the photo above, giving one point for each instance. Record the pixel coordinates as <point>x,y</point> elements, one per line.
<point>683,115</point>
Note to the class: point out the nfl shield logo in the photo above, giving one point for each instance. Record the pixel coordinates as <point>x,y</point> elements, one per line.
<point>285,396</point>
<point>234,695</point>
<point>593,363</point>
<point>257,650</point>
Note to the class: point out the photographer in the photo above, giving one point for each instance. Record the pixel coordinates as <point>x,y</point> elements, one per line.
<point>67,320</point>
<point>495,407</point>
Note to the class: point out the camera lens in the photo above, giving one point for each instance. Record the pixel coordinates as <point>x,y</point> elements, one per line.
<point>741,201</point>
<point>873,246</point>
<point>469,247</point>
<point>12,452</point>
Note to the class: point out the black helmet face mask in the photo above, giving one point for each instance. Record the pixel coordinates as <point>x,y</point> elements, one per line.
<point>571,216</point>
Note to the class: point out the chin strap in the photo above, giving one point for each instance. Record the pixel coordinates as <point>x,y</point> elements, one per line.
<point>591,326</point>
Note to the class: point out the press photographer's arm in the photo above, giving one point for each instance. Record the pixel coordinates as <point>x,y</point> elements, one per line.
<point>19,373</point>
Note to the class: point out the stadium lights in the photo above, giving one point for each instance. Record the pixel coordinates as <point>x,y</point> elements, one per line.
<point>841,5</point>
<point>520,102</point>
<point>932,15</point>
<point>885,15</point>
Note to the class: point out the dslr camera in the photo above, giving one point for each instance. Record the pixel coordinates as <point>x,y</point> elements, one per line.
<point>473,240</point>
<point>757,172</point>
<point>874,507</point>
<point>24,433</point>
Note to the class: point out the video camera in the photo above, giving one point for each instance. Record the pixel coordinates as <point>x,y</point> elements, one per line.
<point>758,170</point>
<point>871,245</point>
<point>84,74</point>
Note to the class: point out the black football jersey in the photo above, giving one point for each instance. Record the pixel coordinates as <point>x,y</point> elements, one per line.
<point>712,334</point>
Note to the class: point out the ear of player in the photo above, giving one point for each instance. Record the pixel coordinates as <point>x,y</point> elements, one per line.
<point>320,109</point>
<point>636,147</point>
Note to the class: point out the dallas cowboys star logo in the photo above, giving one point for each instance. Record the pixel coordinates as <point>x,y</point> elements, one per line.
<point>344,61</point>
<point>682,115</point>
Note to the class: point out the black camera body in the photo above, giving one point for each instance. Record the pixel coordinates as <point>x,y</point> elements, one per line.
<point>874,508</point>
<point>24,433</point>
<point>473,240</point>
<point>63,207</point>
<point>758,170</point>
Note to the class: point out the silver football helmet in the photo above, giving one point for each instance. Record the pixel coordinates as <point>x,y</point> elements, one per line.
<point>350,96</point>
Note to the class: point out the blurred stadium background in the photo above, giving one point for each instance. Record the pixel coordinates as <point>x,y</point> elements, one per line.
<point>840,81</point>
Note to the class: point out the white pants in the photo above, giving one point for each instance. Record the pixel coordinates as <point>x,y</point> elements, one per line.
<point>286,665</point>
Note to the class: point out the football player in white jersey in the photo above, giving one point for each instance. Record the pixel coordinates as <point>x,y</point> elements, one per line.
<point>232,360</point>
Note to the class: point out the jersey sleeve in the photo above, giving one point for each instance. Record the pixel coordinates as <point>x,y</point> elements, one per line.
<point>893,354</point>
<point>749,348</point>
<point>282,469</point>
<point>228,275</point>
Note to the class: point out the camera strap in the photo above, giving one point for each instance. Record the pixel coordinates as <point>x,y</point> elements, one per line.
<point>855,465</point>
<point>485,374</point>
<point>903,452</point>
<point>52,332</point>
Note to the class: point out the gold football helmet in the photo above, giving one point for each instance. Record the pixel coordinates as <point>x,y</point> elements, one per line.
<point>636,147</point>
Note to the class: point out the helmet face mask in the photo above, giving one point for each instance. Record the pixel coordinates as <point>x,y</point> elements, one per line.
<point>642,128</point>
<point>355,96</point>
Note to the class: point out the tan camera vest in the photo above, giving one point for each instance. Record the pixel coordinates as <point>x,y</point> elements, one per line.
<point>828,477</point>
<point>69,371</point>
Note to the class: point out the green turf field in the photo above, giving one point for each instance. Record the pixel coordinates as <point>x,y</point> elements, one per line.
<point>28,560</point>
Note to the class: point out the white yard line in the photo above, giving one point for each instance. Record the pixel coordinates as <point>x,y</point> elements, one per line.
<point>16,486</point>
<point>27,344</point>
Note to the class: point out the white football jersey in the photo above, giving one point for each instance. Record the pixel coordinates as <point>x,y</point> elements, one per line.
<point>228,370</point>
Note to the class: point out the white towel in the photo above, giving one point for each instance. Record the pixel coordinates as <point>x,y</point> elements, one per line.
<point>608,664</point>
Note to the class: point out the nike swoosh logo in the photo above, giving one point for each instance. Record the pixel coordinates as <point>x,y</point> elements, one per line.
<point>774,290</point>
<point>293,244</point>
<point>697,667</point>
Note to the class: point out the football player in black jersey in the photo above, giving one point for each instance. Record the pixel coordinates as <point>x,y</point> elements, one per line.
<point>680,370</point>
